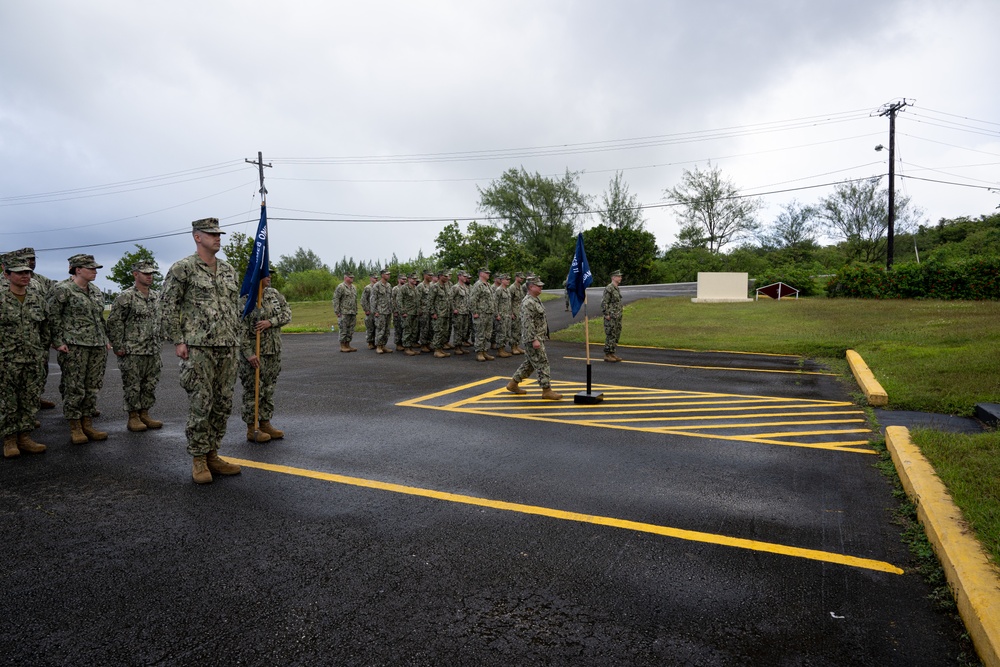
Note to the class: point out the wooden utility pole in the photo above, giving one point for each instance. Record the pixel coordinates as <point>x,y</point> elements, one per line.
<point>890,110</point>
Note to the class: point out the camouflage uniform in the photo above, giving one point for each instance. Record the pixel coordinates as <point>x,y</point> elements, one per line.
<point>533,327</point>
<point>381,303</point>
<point>517,294</point>
<point>24,337</point>
<point>200,310</point>
<point>424,333</point>
<point>366,306</point>
<point>397,320</point>
<point>345,307</point>
<point>408,305</point>
<point>503,334</point>
<point>611,308</point>
<point>482,305</point>
<point>76,319</point>
<point>134,328</point>
<point>461,318</point>
<point>439,299</point>
<point>275,309</point>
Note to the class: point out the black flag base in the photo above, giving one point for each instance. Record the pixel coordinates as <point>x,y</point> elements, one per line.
<point>588,397</point>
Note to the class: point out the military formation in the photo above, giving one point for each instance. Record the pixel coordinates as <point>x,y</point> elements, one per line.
<point>198,311</point>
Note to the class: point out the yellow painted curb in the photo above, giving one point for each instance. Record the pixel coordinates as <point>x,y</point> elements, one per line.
<point>866,379</point>
<point>974,581</point>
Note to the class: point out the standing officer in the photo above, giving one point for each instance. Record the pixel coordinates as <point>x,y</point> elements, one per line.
<point>345,307</point>
<point>504,317</point>
<point>424,334</point>
<point>408,308</point>
<point>381,305</point>
<point>461,321</point>
<point>273,314</point>
<point>482,305</point>
<point>440,305</point>
<point>44,285</point>
<point>134,332</point>
<point>533,334</point>
<point>611,306</point>
<point>366,305</point>
<point>397,319</point>
<point>517,293</point>
<point>24,323</point>
<point>199,301</point>
<point>79,333</point>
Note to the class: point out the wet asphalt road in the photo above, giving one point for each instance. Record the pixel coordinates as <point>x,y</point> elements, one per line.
<point>113,556</point>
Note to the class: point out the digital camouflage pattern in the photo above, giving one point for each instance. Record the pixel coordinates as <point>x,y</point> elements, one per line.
<point>482,306</point>
<point>24,337</point>
<point>381,303</point>
<point>611,308</point>
<point>134,329</point>
<point>439,299</point>
<point>345,307</point>
<point>461,317</point>
<point>366,306</point>
<point>200,310</point>
<point>76,319</point>
<point>408,305</point>
<point>424,333</point>
<point>503,332</point>
<point>533,327</point>
<point>517,294</point>
<point>275,309</point>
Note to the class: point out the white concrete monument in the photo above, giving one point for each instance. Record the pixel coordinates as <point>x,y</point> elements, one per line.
<point>722,288</point>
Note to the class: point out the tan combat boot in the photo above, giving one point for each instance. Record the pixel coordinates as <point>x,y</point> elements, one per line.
<point>410,352</point>
<point>134,423</point>
<point>610,358</point>
<point>617,358</point>
<point>344,347</point>
<point>459,351</point>
<point>10,449</point>
<point>200,472</point>
<point>76,434</point>
<point>480,356</point>
<point>426,348</point>
<point>489,357</point>
<point>440,354</point>
<point>253,435</point>
<point>448,346</point>
<point>45,405</point>
<point>92,433</point>
<point>503,353</point>
<point>514,388</point>
<point>516,349</point>
<point>551,395</point>
<point>265,427</point>
<point>149,421</point>
<point>27,445</point>
<point>220,466</point>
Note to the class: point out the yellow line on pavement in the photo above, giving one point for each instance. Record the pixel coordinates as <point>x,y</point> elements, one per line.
<point>678,533</point>
<point>715,368</point>
<point>415,401</point>
<point>749,424</point>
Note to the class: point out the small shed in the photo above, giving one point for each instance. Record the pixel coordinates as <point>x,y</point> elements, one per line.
<point>776,291</point>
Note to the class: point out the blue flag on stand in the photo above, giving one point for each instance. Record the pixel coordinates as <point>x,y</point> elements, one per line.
<point>579,278</point>
<point>258,267</point>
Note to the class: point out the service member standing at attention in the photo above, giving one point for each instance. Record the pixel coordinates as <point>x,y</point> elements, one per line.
<point>76,321</point>
<point>345,307</point>
<point>44,284</point>
<point>381,305</point>
<point>397,319</point>
<point>199,302</point>
<point>273,314</point>
<point>424,334</point>
<point>517,293</point>
<point>611,306</point>
<point>482,305</point>
<point>408,307</point>
<point>440,305</point>
<point>134,331</point>
<point>25,335</point>
<point>366,305</point>
<point>534,331</point>
<point>461,321</point>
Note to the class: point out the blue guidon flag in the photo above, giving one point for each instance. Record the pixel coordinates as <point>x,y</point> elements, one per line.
<point>258,267</point>
<point>579,278</point>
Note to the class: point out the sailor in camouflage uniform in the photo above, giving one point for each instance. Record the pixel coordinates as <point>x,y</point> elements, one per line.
<point>439,299</point>
<point>424,334</point>
<point>408,309</point>
<point>461,320</point>
<point>134,332</point>
<point>345,307</point>
<point>273,314</point>
<point>366,305</point>
<point>381,305</point>
<point>79,334</point>
<point>43,284</point>
<point>517,293</point>
<point>24,335</point>
<point>199,304</point>
<point>397,320</point>
<point>534,331</point>
<point>611,306</point>
<point>482,305</point>
<point>504,317</point>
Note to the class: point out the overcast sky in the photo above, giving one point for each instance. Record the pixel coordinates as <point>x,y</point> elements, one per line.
<point>125,120</point>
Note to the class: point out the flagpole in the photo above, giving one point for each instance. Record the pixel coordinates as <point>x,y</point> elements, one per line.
<point>581,279</point>
<point>260,299</point>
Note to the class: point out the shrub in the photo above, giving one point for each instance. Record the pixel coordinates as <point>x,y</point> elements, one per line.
<point>977,278</point>
<point>800,279</point>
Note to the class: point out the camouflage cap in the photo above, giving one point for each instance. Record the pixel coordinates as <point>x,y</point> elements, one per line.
<point>461,272</point>
<point>386,271</point>
<point>83,262</point>
<point>415,276</point>
<point>146,267</point>
<point>25,253</point>
<point>348,275</point>
<point>615,273</point>
<point>207,225</point>
<point>484,270</point>
<point>428,272</point>
<point>519,274</point>
<point>445,274</point>
<point>535,280</point>
<point>14,262</point>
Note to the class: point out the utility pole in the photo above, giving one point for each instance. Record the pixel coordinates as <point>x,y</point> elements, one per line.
<point>891,109</point>
<point>260,168</point>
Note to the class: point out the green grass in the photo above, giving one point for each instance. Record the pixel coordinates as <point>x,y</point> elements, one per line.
<point>932,356</point>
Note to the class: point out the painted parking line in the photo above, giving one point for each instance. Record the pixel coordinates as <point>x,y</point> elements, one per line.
<point>666,531</point>
<point>771,420</point>
<point>720,368</point>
